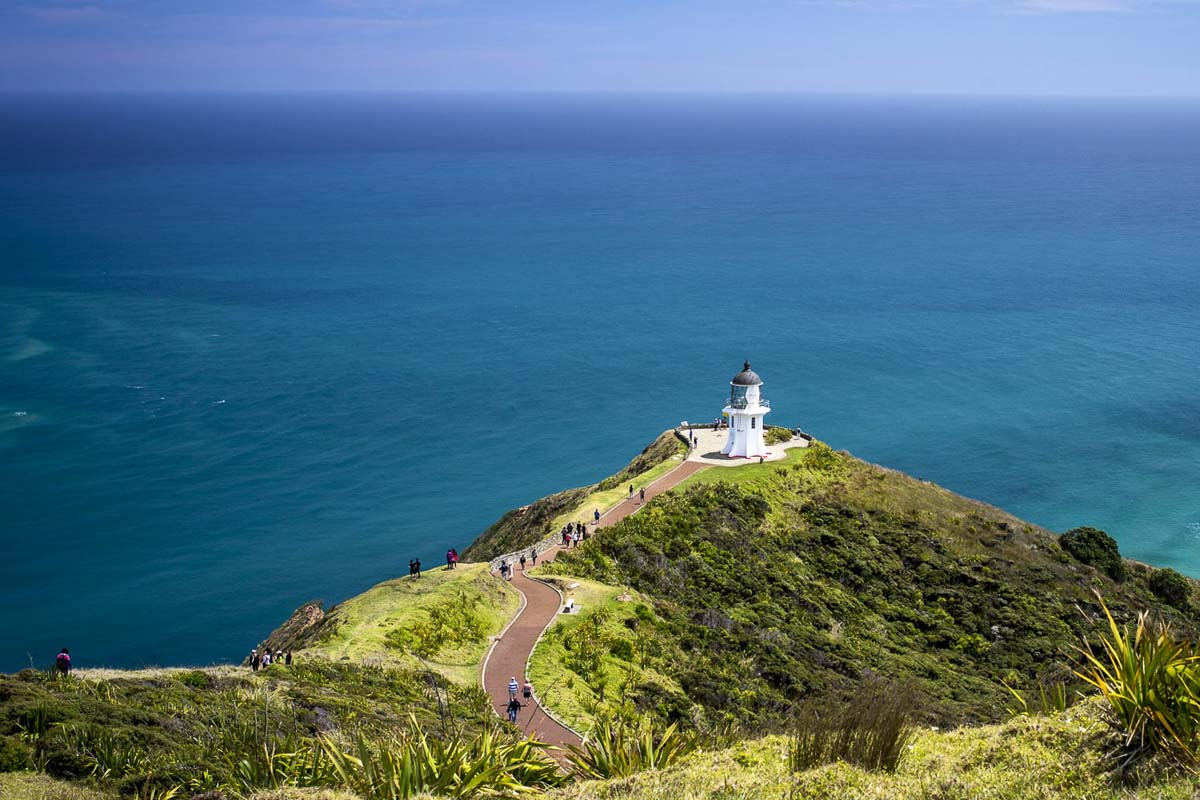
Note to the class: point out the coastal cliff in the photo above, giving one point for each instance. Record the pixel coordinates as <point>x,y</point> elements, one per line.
<point>724,607</point>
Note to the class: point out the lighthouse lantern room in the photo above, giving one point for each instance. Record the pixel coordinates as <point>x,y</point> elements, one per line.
<point>745,414</point>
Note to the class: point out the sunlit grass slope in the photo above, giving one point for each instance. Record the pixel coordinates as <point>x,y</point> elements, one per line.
<point>590,661</point>
<point>376,626</point>
<point>1026,758</point>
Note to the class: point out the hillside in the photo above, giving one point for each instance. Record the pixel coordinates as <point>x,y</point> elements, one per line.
<point>1027,758</point>
<point>523,526</point>
<point>732,605</point>
<point>776,582</point>
<point>441,621</point>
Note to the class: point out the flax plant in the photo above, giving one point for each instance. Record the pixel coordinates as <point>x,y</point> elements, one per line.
<point>1151,681</point>
<point>618,749</point>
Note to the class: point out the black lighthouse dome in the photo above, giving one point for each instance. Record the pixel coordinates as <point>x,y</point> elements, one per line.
<point>747,377</point>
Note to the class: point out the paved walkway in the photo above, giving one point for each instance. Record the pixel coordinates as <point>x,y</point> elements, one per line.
<point>511,651</point>
<point>710,442</point>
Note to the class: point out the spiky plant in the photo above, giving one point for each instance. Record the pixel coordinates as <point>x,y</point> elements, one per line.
<point>1151,681</point>
<point>617,749</point>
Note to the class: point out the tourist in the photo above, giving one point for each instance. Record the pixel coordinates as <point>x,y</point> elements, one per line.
<point>522,562</point>
<point>631,491</point>
<point>512,687</point>
<point>514,708</point>
<point>533,557</point>
<point>254,660</point>
<point>287,660</point>
<point>417,567</point>
<point>449,559</point>
<point>62,662</point>
<point>566,537</point>
<point>527,691</point>
<point>596,514</point>
<point>575,539</point>
<point>454,558</point>
<point>642,498</point>
<point>504,570</point>
<point>266,659</point>
<point>412,569</point>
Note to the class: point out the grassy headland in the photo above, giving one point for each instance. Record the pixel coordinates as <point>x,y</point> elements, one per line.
<point>524,526</point>
<point>776,582</point>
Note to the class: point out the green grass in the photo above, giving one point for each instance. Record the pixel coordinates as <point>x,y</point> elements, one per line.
<point>607,498</point>
<point>580,696</point>
<point>359,627</point>
<point>778,581</point>
<point>1027,758</point>
<point>32,786</point>
<point>521,527</point>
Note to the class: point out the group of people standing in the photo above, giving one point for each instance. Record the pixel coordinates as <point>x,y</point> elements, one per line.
<point>414,567</point>
<point>265,659</point>
<point>575,532</point>
<point>515,705</point>
<point>451,559</point>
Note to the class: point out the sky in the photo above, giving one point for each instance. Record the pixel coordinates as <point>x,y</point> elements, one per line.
<point>985,47</point>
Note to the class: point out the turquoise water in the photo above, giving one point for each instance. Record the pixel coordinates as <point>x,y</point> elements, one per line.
<point>255,351</point>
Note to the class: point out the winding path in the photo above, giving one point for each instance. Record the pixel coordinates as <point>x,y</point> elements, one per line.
<point>510,652</point>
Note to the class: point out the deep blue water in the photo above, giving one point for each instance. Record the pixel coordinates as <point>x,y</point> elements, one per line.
<point>258,350</point>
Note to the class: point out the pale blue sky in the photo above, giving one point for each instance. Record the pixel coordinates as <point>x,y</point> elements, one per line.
<point>1069,47</point>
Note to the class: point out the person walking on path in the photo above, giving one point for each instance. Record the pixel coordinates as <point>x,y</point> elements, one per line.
<point>596,514</point>
<point>514,708</point>
<point>512,688</point>
<point>503,570</point>
<point>62,662</point>
<point>643,495</point>
<point>533,557</point>
<point>631,491</point>
<point>527,691</point>
<point>522,562</point>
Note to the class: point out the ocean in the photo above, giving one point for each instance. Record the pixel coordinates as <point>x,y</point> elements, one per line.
<point>256,350</point>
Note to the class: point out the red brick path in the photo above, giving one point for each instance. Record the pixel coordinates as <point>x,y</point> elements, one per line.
<point>511,652</point>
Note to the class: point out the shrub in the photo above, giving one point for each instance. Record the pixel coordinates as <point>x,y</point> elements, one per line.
<point>1151,680</point>
<point>871,731</point>
<point>14,755</point>
<point>622,649</point>
<point>777,435</point>
<point>413,764</point>
<point>1094,547</point>
<point>617,749</point>
<point>1171,587</point>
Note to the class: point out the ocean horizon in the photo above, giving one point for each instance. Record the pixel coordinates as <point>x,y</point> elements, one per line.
<point>261,349</point>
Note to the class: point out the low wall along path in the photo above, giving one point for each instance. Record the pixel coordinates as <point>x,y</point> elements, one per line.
<point>510,652</point>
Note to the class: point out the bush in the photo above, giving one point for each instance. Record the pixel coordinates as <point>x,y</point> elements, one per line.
<point>1171,587</point>
<point>1095,547</point>
<point>1149,678</point>
<point>622,649</point>
<point>14,755</point>
<point>620,749</point>
<point>871,731</point>
<point>777,435</point>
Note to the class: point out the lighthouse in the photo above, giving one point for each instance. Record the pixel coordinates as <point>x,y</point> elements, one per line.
<point>745,413</point>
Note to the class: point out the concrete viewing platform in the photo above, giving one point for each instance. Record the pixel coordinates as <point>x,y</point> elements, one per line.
<point>710,442</point>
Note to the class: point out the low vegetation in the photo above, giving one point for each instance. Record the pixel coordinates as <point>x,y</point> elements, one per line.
<point>772,583</point>
<point>1150,679</point>
<point>620,748</point>
<point>524,526</point>
<point>441,621</point>
<point>871,731</point>
<point>848,610</point>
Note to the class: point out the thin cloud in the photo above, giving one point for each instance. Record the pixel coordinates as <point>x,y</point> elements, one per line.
<point>59,15</point>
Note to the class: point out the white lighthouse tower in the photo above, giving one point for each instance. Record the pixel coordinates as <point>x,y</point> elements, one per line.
<point>745,412</point>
